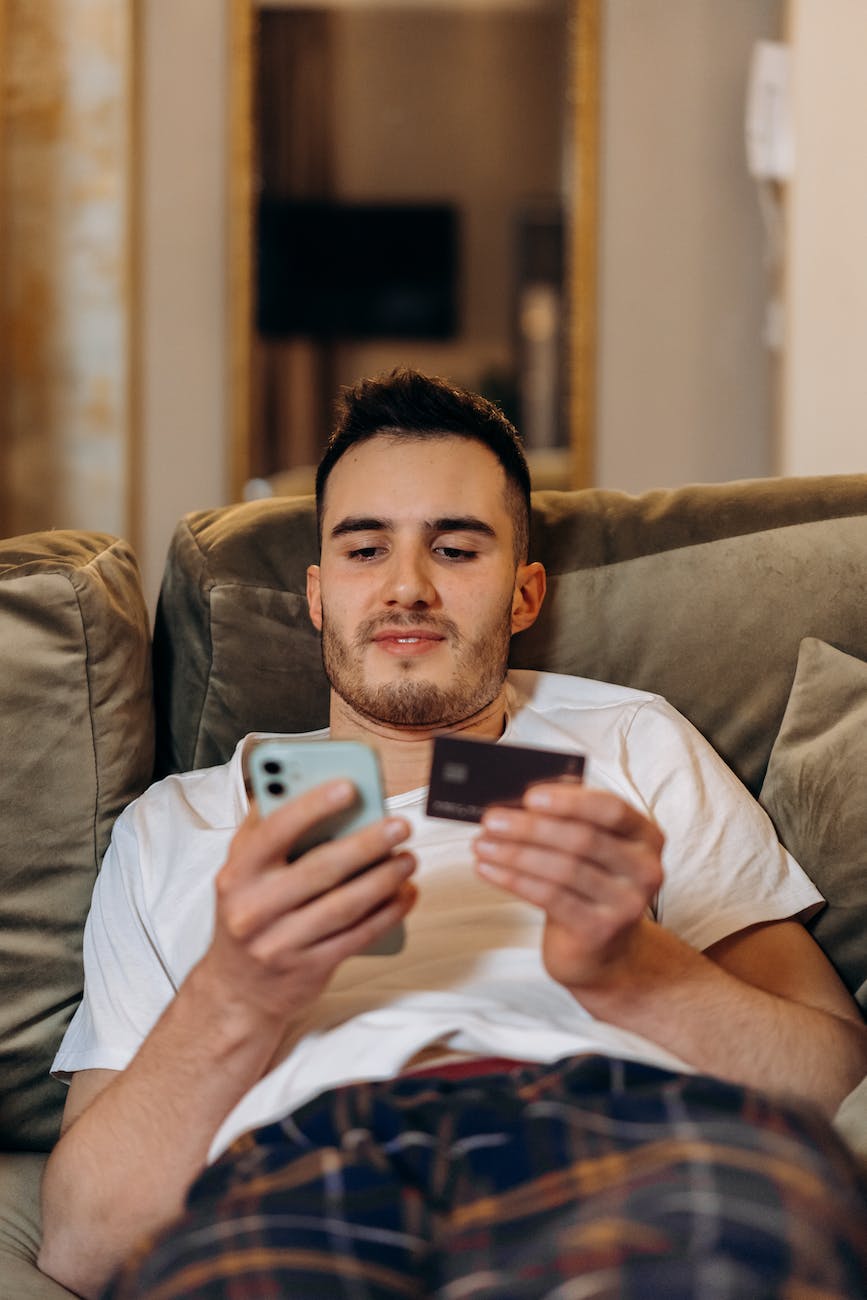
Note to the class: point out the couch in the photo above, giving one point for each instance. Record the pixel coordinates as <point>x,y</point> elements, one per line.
<point>743,603</point>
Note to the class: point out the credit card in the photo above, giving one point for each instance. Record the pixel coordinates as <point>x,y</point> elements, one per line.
<point>467,775</point>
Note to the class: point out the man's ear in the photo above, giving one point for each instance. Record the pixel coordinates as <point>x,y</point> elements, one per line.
<point>314,598</point>
<point>529,593</point>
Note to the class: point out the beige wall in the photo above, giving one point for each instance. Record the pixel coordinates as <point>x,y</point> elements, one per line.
<point>183,269</point>
<point>824,376</point>
<point>685,383</point>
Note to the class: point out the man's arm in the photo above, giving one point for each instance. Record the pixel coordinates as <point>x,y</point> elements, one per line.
<point>763,1007</point>
<point>134,1140</point>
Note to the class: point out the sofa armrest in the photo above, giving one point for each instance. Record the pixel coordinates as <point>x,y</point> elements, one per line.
<point>20,1230</point>
<point>76,746</point>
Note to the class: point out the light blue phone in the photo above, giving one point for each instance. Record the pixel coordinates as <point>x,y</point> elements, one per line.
<point>278,770</point>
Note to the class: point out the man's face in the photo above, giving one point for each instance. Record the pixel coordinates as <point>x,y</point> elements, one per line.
<point>417,593</point>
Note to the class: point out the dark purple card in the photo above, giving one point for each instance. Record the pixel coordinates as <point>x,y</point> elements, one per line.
<point>467,776</point>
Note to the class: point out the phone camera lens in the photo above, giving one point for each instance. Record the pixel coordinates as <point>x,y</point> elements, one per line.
<point>271,766</point>
<point>276,788</point>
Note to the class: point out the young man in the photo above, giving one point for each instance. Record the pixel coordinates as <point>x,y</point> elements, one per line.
<point>546,1085</point>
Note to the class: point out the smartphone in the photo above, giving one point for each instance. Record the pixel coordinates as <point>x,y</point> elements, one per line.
<point>277,770</point>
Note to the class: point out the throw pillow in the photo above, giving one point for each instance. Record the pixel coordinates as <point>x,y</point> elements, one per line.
<point>814,792</point>
<point>76,744</point>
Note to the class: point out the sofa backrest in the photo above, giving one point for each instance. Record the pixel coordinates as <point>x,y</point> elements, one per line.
<point>701,593</point>
<point>741,603</point>
<point>76,744</point>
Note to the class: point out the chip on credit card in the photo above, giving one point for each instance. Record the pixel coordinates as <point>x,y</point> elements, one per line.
<point>468,775</point>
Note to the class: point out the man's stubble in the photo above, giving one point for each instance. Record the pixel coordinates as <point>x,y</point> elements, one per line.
<point>411,700</point>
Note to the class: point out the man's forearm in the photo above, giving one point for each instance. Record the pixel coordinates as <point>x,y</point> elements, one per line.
<point>723,1025</point>
<point>124,1166</point>
<point>126,1162</point>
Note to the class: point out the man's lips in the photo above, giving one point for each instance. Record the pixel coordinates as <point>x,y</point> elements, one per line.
<point>407,640</point>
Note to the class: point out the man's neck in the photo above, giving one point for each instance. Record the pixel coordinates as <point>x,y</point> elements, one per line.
<point>405,752</point>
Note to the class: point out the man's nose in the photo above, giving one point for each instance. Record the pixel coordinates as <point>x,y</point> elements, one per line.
<point>409,581</point>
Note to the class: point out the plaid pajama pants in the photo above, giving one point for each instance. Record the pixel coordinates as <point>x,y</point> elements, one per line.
<point>584,1178</point>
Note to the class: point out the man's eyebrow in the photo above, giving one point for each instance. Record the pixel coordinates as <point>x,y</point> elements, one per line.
<point>461,524</point>
<point>360,524</point>
<point>446,524</point>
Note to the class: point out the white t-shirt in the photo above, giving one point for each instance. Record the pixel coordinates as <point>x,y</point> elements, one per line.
<point>470,975</point>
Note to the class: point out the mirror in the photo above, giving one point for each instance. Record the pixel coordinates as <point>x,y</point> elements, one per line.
<point>404,194</point>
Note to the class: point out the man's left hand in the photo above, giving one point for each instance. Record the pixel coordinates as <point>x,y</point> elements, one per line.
<point>591,861</point>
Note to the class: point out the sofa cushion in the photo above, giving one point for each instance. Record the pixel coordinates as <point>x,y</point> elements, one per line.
<point>234,650</point>
<point>712,624</point>
<point>20,1230</point>
<point>851,1121</point>
<point>700,593</point>
<point>814,793</point>
<point>76,744</point>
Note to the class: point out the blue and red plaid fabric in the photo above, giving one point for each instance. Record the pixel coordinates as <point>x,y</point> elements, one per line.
<point>585,1178</point>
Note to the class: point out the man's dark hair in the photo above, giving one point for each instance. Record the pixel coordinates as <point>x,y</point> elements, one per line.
<point>406,403</point>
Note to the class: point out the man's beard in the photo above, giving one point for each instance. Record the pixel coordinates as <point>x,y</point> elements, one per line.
<point>479,671</point>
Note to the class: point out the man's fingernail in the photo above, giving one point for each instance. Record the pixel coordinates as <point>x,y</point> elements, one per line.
<point>341,792</point>
<point>496,821</point>
<point>538,798</point>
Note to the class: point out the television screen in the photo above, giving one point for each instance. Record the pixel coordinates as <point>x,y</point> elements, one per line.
<point>344,271</point>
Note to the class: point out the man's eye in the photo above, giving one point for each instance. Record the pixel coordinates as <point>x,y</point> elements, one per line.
<point>365,553</point>
<point>455,553</point>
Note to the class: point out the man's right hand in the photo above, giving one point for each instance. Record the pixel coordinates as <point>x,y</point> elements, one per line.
<point>134,1139</point>
<point>281,930</point>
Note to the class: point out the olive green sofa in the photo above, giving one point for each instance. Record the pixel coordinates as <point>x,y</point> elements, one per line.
<point>743,603</point>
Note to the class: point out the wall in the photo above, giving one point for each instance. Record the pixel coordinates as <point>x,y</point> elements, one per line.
<point>824,373</point>
<point>685,383</point>
<point>65,259</point>
<point>183,272</point>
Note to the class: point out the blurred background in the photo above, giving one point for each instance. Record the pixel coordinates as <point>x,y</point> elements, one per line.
<point>639,225</point>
